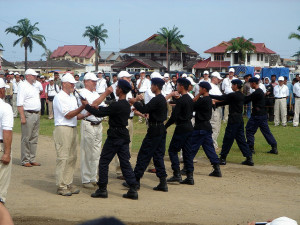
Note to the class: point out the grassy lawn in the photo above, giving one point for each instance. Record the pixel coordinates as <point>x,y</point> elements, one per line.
<point>287,138</point>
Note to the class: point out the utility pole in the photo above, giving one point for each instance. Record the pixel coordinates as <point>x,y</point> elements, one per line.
<point>168,54</point>
<point>119,34</point>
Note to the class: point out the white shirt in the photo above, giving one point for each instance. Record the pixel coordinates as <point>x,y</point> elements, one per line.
<point>16,86</point>
<point>38,85</point>
<point>146,84</point>
<point>281,91</point>
<point>28,96</point>
<point>129,96</point>
<point>90,97</point>
<point>167,88</point>
<point>101,85</point>
<point>226,85</point>
<point>50,89</point>
<point>148,96</point>
<point>215,90</point>
<point>205,80</point>
<point>6,117</point>
<point>296,89</point>
<point>261,86</point>
<point>62,105</point>
<point>196,89</point>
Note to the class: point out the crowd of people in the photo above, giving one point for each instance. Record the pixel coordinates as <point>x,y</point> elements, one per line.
<point>196,107</point>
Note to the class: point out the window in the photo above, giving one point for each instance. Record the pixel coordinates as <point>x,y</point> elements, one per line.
<point>142,54</point>
<point>228,55</point>
<point>248,58</point>
<point>261,57</point>
<point>76,60</point>
<point>81,60</point>
<point>257,57</point>
<point>163,54</point>
<point>219,57</point>
<point>266,59</point>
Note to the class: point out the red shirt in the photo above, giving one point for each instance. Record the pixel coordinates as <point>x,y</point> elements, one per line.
<point>43,95</point>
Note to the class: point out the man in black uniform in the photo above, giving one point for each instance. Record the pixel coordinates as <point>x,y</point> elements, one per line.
<point>258,118</point>
<point>235,126</point>
<point>117,141</point>
<point>154,143</point>
<point>182,137</point>
<point>202,134</point>
<point>270,101</point>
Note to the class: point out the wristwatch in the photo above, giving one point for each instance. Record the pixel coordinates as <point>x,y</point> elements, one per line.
<point>1,200</point>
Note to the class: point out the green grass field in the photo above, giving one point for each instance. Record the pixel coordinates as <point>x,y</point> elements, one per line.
<point>287,138</point>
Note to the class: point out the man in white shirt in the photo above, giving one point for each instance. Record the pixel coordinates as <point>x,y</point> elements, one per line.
<point>296,91</point>
<point>29,106</point>
<point>205,77</point>
<point>216,116</point>
<point>6,126</point>
<point>66,114</point>
<point>16,84</point>
<point>143,84</point>
<point>51,90</point>
<point>281,92</point>
<point>91,135</point>
<point>101,83</point>
<point>167,89</point>
<point>226,88</point>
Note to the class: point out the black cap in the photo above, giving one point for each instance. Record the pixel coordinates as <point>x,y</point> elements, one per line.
<point>124,85</point>
<point>157,81</point>
<point>237,81</point>
<point>253,80</point>
<point>183,81</point>
<point>205,85</point>
<point>248,75</point>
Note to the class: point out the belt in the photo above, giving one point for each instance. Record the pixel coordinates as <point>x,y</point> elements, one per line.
<point>279,98</point>
<point>31,111</point>
<point>1,141</point>
<point>93,123</point>
<point>155,123</point>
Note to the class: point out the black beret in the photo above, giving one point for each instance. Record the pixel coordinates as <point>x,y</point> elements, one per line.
<point>104,221</point>
<point>183,81</point>
<point>237,81</point>
<point>248,75</point>
<point>157,81</point>
<point>205,85</point>
<point>124,85</point>
<point>253,80</point>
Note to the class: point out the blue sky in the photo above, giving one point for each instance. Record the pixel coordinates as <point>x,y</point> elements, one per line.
<point>204,24</point>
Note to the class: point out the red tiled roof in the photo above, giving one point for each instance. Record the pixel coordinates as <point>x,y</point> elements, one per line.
<point>81,51</point>
<point>207,63</point>
<point>221,48</point>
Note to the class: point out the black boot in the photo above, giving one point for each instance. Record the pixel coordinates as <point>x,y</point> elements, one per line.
<point>101,192</point>
<point>248,161</point>
<point>189,179</point>
<point>252,149</point>
<point>222,160</point>
<point>216,172</point>
<point>274,150</point>
<point>183,171</point>
<point>132,193</point>
<point>137,186</point>
<point>176,177</point>
<point>162,186</point>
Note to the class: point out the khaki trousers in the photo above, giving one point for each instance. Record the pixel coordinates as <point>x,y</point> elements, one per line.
<point>14,106</point>
<point>29,139</point>
<point>65,139</point>
<point>90,150</point>
<point>226,113</point>
<point>169,109</point>
<point>215,122</point>
<point>5,173</point>
<point>50,109</point>
<point>280,111</point>
<point>297,111</point>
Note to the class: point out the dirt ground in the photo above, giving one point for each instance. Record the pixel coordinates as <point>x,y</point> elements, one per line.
<point>243,194</point>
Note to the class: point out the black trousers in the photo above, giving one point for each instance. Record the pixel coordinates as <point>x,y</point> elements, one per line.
<point>270,108</point>
<point>43,103</point>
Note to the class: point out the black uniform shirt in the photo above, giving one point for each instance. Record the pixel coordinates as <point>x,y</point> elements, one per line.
<point>203,108</point>
<point>258,102</point>
<point>157,109</point>
<point>182,115</point>
<point>235,100</point>
<point>270,88</point>
<point>118,113</point>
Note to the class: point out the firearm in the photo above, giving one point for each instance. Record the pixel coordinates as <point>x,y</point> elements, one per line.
<point>80,96</point>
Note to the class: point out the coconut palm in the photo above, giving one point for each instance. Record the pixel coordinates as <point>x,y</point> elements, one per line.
<point>295,35</point>
<point>1,46</point>
<point>171,39</point>
<point>241,46</point>
<point>27,33</point>
<point>97,35</point>
<point>47,54</point>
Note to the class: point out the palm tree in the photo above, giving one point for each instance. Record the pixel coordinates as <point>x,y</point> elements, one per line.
<point>26,31</point>
<point>171,39</point>
<point>47,54</point>
<point>1,46</point>
<point>96,34</point>
<point>242,46</point>
<point>295,35</point>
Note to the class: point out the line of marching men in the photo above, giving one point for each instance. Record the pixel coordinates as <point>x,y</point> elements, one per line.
<point>195,119</point>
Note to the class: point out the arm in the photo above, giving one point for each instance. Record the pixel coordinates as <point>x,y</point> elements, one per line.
<point>7,125</point>
<point>146,108</point>
<point>5,217</point>
<point>101,111</point>
<point>102,97</point>
<point>174,115</point>
<point>22,115</point>
<point>75,112</point>
<point>220,97</point>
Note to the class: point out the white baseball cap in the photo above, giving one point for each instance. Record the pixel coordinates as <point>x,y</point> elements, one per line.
<point>124,74</point>
<point>257,76</point>
<point>51,78</point>
<point>16,73</point>
<point>11,73</point>
<point>42,77</point>
<point>68,78</point>
<point>283,221</point>
<point>281,78</point>
<point>184,75</point>
<point>217,75</point>
<point>166,75</point>
<point>2,84</point>
<point>231,70</point>
<point>191,80</point>
<point>156,75</point>
<point>31,72</point>
<point>205,72</point>
<point>142,71</point>
<point>90,76</point>
<point>100,72</point>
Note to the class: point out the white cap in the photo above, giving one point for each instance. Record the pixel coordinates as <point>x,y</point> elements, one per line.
<point>191,80</point>
<point>142,71</point>
<point>68,78</point>
<point>205,72</point>
<point>51,78</point>
<point>156,75</point>
<point>231,70</point>
<point>283,221</point>
<point>42,77</point>
<point>2,84</point>
<point>124,74</point>
<point>11,73</point>
<point>90,76</point>
<point>217,75</point>
<point>257,76</point>
<point>16,73</point>
<point>281,78</point>
<point>184,75</point>
<point>100,72</point>
<point>31,72</point>
<point>166,75</point>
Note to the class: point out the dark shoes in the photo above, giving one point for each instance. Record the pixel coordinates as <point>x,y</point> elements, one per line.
<point>183,171</point>
<point>222,161</point>
<point>248,162</point>
<point>101,192</point>
<point>162,186</point>
<point>132,193</point>
<point>273,150</point>
<point>216,172</point>
<point>176,177</point>
<point>189,179</point>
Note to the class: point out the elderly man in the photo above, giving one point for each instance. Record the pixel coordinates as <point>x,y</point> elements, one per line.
<point>29,106</point>
<point>6,125</point>
<point>52,89</point>
<point>91,135</point>
<point>101,83</point>
<point>281,92</point>
<point>296,91</point>
<point>66,114</point>
<point>16,84</point>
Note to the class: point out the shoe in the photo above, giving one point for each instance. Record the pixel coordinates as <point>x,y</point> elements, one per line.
<point>151,171</point>
<point>176,177</point>
<point>120,178</point>
<point>183,171</point>
<point>132,193</point>
<point>27,165</point>
<point>216,172</point>
<point>73,189</point>
<point>127,185</point>
<point>273,150</point>
<point>162,186</point>
<point>64,192</point>
<point>248,162</point>
<point>189,179</point>
<point>35,164</point>
<point>88,185</point>
<point>222,161</point>
<point>101,192</point>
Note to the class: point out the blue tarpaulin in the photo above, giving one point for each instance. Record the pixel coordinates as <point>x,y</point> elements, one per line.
<point>243,70</point>
<point>268,72</point>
